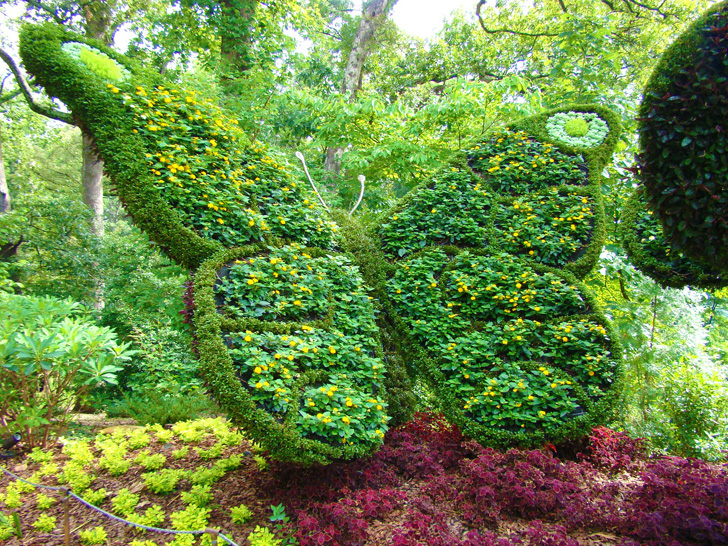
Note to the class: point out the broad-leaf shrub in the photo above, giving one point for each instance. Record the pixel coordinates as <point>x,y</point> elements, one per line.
<point>51,355</point>
<point>683,162</point>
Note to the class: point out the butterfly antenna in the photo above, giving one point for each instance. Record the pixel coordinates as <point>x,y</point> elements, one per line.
<point>299,155</point>
<point>361,178</point>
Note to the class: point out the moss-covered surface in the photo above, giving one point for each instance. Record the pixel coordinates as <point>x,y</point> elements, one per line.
<point>684,143</point>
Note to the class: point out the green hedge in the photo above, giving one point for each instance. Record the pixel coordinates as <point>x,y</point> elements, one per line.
<point>683,162</point>
<point>480,267</point>
<point>649,250</point>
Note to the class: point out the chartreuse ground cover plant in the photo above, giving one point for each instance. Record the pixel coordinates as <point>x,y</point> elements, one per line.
<point>428,484</point>
<point>482,280</point>
<point>181,496</point>
<point>272,279</point>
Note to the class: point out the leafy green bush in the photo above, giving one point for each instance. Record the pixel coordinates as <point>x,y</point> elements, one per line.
<point>696,404</point>
<point>50,357</point>
<point>683,160</point>
<point>125,502</point>
<point>154,406</point>
<point>240,514</point>
<point>163,481</point>
<point>650,251</point>
<point>97,535</point>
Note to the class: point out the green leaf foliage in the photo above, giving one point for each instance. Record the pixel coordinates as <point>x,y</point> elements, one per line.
<point>650,251</point>
<point>516,350</point>
<point>187,177</point>
<point>683,161</point>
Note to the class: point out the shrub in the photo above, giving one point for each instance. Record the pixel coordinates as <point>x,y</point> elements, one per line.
<point>97,535</point>
<point>155,406</point>
<point>50,356</point>
<point>612,450</point>
<point>683,141</point>
<point>240,514</point>
<point>650,251</point>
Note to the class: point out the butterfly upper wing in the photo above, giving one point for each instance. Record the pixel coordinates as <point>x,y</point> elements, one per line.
<point>185,172</point>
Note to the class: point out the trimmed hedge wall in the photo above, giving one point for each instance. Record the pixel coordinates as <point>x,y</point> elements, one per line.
<point>650,252</point>
<point>683,162</point>
<point>287,332</point>
<point>480,267</point>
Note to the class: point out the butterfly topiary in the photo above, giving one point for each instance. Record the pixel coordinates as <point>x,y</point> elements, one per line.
<point>307,325</point>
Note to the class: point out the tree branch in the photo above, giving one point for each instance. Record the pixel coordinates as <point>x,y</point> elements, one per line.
<point>481,3</point>
<point>563,6</point>
<point>9,97</point>
<point>49,10</point>
<point>657,9</point>
<point>25,90</point>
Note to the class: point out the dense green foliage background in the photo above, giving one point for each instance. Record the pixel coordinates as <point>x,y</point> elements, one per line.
<point>420,102</point>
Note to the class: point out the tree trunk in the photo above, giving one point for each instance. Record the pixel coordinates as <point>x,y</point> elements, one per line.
<point>235,34</point>
<point>93,189</point>
<point>97,15</point>
<point>4,192</point>
<point>374,14</point>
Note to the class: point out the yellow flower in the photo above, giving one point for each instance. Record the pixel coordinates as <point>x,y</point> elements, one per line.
<point>257,370</point>
<point>332,350</point>
<point>248,338</point>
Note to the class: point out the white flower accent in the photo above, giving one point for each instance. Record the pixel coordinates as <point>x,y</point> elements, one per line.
<point>597,132</point>
<point>79,52</point>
